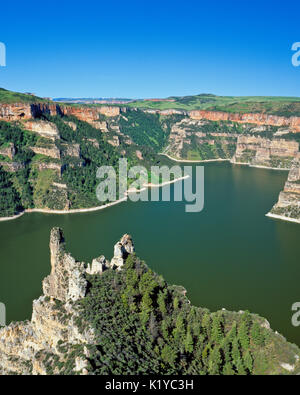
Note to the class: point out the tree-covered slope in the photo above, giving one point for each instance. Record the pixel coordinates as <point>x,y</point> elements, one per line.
<point>144,325</point>
<point>119,317</point>
<point>58,171</point>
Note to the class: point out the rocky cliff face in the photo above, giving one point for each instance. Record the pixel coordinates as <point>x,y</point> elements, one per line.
<point>191,135</point>
<point>8,150</point>
<point>288,204</point>
<point>258,151</point>
<point>18,112</point>
<point>25,347</point>
<point>43,128</point>
<point>257,119</point>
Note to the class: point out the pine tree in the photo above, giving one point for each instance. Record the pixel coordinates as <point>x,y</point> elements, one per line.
<point>248,361</point>
<point>228,369</point>
<point>179,330</point>
<point>214,361</point>
<point>257,335</point>
<point>168,355</point>
<point>206,353</point>
<point>161,302</point>
<point>175,303</point>
<point>240,367</point>
<point>189,343</point>
<point>145,307</point>
<point>232,333</point>
<point>243,335</point>
<point>206,323</point>
<point>236,355</point>
<point>226,348</point>
<point>216,331</point>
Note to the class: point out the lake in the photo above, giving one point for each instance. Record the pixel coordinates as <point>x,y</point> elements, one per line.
<point>229,255</point>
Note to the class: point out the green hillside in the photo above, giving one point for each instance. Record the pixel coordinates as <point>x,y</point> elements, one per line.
<point>285,106</point>
<point>7,96</point>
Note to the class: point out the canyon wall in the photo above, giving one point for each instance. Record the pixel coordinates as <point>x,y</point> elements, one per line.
<point>17,112</point>
<point>34,347</point>
<point>257,119</point>
<point>288,204</point>
<point>259,151</point>
<point>13,112</point>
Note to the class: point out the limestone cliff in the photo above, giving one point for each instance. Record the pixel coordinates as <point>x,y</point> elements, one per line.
<point>21,112</point>
<point>26,346</point>
<point>288,204</point>
<point>258,151</point>
<point>257,119</point>
<point>43,128</point>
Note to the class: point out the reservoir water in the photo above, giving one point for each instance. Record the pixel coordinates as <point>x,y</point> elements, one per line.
<point>229,255</point>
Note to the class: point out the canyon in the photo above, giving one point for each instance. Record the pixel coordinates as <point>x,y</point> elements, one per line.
<point>257,119</point>
<point>19,111</point>
<point>254,139</point>
<point>61,337</point>
<point>25,345</point>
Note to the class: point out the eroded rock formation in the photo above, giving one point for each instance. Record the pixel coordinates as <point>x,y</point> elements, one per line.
<point>43,128</point>
<point>25,346</point>
<point>288,204</point>
<point>257,119</point>
<point>121,250</point>
<point>17,112</point>
<point>258,151</point>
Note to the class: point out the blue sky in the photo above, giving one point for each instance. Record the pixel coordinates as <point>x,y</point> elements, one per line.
<point>150,48</point>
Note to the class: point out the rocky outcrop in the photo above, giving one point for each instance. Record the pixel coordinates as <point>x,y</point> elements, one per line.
<point>115,142</point>
<point>50,166</point>
<point>17,112</point>
<point>51,151</point>
<point>43,128</point>
<point>25,347</point>
<point>12,167</point>
<point>139,155</point>
<point>72,150</point>
<point>72,125</point>
<point>258,151</point>
<point>66,281</point>
<point>121,251</point>
<point>258,119</point>
<point>8,150</point>
<point>288,204</point>
<point>190,135</point>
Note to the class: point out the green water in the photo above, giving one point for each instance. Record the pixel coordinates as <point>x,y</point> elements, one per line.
<point>229,255</point>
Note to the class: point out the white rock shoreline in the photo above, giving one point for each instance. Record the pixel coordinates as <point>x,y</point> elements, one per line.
<point>91,209</point>
<point>283,218</point>
<point>224,160</point>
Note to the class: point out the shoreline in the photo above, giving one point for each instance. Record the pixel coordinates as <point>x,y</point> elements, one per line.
<point>2,219</point>
<point>225,160</point>
<point>196,161</point>
<point>90,209</point>
<point>259,166</point>
<point>283,218</point>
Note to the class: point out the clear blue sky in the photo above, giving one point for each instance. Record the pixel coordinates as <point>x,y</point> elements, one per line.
<point>150,48</point>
